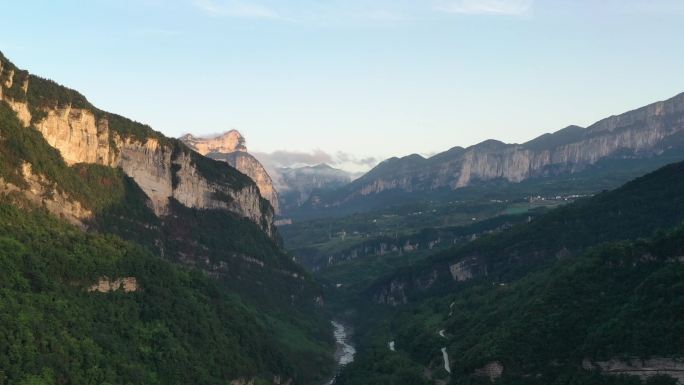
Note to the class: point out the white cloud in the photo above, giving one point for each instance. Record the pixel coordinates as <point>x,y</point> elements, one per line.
<point>340,159</point>
<point>486,7</point>
<point>237,9</point>
<point>286,158</point>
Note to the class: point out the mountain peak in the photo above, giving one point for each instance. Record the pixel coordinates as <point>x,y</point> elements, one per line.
<point>230,147</point>
<point>233,133</point>
<point>227,142</point>
<point>489,144</point>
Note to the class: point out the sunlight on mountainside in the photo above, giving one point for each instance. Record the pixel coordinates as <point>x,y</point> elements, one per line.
<point>260,192</point>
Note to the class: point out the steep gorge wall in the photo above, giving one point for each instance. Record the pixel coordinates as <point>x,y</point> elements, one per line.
<point>164,170</point>
<point>230,147</point>
<point>642,132</point>
<point>76,134</point>
<point>42,192</point>
<point>249,165</point>
<point>516,163</point>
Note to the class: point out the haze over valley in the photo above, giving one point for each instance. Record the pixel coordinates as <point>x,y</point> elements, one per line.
<point>351,193</point>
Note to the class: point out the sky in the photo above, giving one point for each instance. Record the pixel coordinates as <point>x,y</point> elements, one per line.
<point>356,81</point>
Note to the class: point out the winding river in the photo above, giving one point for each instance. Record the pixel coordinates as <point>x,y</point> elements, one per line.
<point>344,351</point>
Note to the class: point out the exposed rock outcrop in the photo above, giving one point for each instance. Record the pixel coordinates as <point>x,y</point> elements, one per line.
<point>641,368</point>
<point>392,294</point>
<point>105,285</point>
<point>162,167</point>
<point>42,193</point>
<point>77,134</point>
<point>225,143</point>
<point>230,147</point>
<point>21,109</point>
<point>460,271</point>
<point>645,132</point>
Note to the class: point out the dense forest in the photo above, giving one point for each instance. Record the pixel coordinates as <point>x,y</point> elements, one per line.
<point>178,327</point>
<point>621,299</point>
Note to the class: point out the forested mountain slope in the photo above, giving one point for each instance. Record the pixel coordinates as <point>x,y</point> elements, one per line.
<point>91,309</point>
<point>108,175</point>
<point>614,310</point>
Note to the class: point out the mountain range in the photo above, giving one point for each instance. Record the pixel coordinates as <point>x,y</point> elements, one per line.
<point>643,135</point>
<point>647,133</point>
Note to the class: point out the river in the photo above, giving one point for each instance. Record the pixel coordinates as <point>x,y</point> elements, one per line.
<point>344,350</point>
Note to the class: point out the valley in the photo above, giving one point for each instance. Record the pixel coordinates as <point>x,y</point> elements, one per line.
<point>406,320</point>
<point>412,281</point>
<point>400,274</point>
<point>460,192</point>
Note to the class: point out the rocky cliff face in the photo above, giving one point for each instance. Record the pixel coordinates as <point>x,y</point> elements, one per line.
<point>164,168</point>
<point>42,193</point>
<point>648,131</point>
<point>644,369</point>
<point>230,147</point>
<point>225,143</point>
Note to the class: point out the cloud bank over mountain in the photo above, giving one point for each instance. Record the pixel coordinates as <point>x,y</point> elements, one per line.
<point>339,159</point>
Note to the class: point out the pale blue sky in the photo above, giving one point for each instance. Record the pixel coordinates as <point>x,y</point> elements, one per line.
<point>370,78</point>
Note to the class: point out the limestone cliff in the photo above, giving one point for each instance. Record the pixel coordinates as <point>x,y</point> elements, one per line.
<point>230,147</point>
<point>164,168</point>
<point>225,143</point>
<point>645,132</point>
<point>41,192</point>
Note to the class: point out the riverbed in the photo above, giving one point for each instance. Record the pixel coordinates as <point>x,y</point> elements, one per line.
<point>344,350</point>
